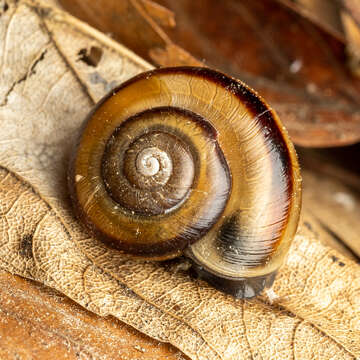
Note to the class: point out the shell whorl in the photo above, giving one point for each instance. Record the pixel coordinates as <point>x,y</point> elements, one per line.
<point>188,159</point>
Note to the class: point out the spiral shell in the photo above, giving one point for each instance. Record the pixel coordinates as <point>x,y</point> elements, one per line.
<point>188,160</point>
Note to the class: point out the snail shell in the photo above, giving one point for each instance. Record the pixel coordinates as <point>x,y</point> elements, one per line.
<point>189,161</point>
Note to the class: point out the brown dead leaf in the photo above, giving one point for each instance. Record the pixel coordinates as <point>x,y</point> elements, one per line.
<point>350,17</point>
<point>137,24</point>
<point>163,16</point>
<point>39,323</point>
<point>325,235</point>
<point>45,92</point>
<point>340,18</point>
<point>325,14</point>
<point>298,68</point>
<point>337,205</point>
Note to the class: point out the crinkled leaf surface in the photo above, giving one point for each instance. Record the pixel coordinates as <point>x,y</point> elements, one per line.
<point>53,69</point>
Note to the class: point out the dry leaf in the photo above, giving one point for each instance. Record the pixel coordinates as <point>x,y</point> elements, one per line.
<point>295,66</point>
<point>39,323</point>
<point>298,68</point>
<point>340,18</point>
<point>162,15</point>
<point>350,17</point>
<point>337,205</point>
<point>136,24</point>
<point>322,12</point>
<point>45,91</point>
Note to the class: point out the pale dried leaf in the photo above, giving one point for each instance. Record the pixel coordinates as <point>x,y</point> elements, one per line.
<point>45,91</point>
<point>309,284</point>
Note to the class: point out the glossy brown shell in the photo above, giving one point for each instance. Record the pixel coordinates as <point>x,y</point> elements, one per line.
<point>235,209</point>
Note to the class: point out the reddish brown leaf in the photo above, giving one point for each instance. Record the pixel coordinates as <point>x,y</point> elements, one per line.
<point>324,13</point>
<point>40,323</point>
<point>331,194</point>
<point>340,18</point>
<point>297,67</point>
<point>134,23</point>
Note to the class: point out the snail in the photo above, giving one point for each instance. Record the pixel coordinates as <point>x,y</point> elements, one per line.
<point>188,161</point>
